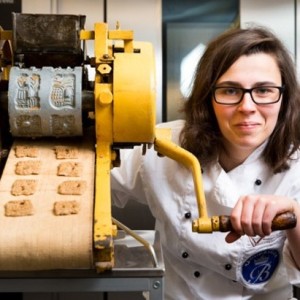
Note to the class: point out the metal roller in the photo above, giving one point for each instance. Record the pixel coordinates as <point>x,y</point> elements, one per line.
<point>45,102</point>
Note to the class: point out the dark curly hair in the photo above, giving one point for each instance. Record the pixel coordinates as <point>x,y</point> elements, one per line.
<point>201,134</point>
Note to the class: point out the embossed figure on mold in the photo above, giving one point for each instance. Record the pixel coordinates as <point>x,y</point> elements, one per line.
<point>22,92</point>
<point>28,89</point>
<point>34,87</point>
<point>62,93</point>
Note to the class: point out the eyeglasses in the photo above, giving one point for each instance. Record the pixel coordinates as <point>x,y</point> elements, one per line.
<point>259,95</point>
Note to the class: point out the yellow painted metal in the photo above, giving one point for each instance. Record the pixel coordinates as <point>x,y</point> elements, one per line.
<point>104,230</point>
<point>103,227</point>
<point>125,35</point>
<point>124,113</point>
<point>134,96</point>
<point>166,147</point>
<point>101,42</point>
<point>120,34</point>
<point>87,35</point>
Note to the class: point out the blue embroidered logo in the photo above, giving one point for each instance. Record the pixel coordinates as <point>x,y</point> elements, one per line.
<point>260,267</point>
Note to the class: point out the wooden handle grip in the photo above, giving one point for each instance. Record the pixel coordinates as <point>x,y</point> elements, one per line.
<point>282,221</point>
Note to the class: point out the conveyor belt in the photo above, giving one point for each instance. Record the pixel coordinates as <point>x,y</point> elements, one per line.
<point>43,240</point>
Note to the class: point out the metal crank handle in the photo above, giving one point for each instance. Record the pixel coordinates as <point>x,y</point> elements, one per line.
<point>282,221</point>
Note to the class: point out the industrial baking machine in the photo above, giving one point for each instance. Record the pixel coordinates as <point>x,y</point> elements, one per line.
<point>47,94</point>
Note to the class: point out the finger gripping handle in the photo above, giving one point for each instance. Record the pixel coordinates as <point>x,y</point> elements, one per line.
<point>282,221</point>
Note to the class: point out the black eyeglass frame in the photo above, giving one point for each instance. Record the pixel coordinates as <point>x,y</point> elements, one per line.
<point>280,88</point>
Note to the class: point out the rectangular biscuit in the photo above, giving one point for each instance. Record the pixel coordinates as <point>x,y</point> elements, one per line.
<point>76,187</point>
<point>24,187</point>
<point>26,151</point>
<point>28,167</point>
<point>18,208</point>
<point>66,152</point>
<point>70,169</point>
<point>63,208</point>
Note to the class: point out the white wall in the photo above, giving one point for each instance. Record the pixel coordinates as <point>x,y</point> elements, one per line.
<point>279,15</point>
<point>37,6</point>
<point>93,9</point>
<point>145,18</point>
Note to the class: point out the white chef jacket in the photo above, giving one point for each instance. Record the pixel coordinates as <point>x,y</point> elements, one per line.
<point>204,266</point>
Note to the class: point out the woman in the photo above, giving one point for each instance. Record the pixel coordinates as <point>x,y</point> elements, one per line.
<point>242,123</point>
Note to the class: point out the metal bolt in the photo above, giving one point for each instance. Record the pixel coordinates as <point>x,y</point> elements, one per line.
<point>156,285</point>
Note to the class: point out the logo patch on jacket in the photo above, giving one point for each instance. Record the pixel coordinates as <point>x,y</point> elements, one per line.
<point>260,267</point>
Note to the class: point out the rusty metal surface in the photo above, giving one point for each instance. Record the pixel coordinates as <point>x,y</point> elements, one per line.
<point>47,40</point>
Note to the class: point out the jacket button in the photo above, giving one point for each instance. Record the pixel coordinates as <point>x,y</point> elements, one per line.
<point>228,267</point>
<point>197,274</point>
<point>185,255</point>
<point>258,182</point>
<point>187,215</point>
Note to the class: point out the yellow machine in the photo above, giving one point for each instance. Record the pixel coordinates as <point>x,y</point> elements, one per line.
<point>119,103</point>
